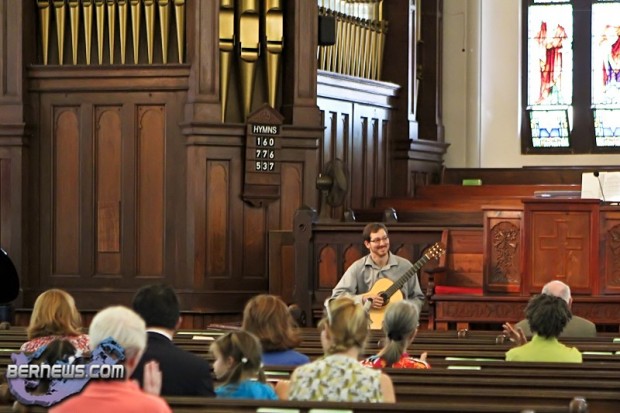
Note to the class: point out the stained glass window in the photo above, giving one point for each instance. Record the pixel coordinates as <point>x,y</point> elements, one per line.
<point>606,72</point>
<point>550,72</point>
<point>571,93</point>
<point>549,128</point>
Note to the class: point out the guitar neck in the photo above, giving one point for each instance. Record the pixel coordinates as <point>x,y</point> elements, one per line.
<point>407,276</point>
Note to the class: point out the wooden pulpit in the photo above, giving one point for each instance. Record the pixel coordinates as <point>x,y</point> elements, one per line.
<point>560,241</point>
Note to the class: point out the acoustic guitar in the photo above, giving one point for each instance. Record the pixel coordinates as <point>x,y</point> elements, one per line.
<point>390,290</point>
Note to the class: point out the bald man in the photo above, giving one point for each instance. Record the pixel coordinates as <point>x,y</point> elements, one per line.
<point>576,327</point>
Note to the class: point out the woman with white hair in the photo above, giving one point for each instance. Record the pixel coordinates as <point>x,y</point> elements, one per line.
<point>128,330</point>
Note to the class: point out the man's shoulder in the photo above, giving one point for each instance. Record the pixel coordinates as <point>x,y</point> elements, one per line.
<point>398,260</point>
<point>168,351</point>
<point>580,327</point>
<point>581,320</point>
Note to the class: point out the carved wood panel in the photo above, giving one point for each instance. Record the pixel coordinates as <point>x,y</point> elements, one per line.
<point>481,311</point>
<point>66,195</point>
<point>229,236</point>
<point>357,126</point>
<point>151,190</point>
<point>108,189</point>
<point>463,258</point>
<point>610,251</point>
<point>502,249</point>
<point>370,155</point>
<point>561,240</point>
<point>328,267</point>
<point>105,208</point>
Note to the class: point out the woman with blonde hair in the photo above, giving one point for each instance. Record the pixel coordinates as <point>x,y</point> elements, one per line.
<point>268,318</point>
<point>55,316</point>
<point>338,376</point>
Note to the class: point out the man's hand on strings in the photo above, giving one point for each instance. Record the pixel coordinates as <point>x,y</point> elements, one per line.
<point>377,300</point>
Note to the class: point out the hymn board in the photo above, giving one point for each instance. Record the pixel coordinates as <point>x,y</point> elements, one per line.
<point>262,157</point>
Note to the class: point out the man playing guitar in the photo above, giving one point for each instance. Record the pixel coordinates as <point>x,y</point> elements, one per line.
<point>362,275</point>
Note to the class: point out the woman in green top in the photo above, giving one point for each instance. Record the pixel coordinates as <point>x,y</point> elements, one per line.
<point>547,316</point>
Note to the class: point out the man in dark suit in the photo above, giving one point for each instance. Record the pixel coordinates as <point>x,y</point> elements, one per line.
<point>576,327</point>
<point>183,373</point>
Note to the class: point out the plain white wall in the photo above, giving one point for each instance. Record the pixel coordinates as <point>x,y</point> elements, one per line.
<point>481,86</point>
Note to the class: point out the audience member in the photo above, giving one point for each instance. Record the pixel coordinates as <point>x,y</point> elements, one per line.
<point>183,373</point>
<point>119,396</point>
<point>400,326</point>
<point>269,319</point>
<point>360,277</point>
<point>576,327</point>
<point>547,316</point>
<point>339,376</point>
<point>238,363</point>
<point>28,391</point>
<point>54,316</point>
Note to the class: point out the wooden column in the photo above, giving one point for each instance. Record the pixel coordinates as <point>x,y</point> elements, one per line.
<point>413,49</point>
<point>16,46</point>
<point>300,68</point>
<point>203,101</point>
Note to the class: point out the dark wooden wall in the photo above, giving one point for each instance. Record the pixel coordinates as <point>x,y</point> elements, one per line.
<point>116,175</point>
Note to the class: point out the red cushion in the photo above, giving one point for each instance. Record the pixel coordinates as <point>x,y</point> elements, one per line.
<point>449,290</point>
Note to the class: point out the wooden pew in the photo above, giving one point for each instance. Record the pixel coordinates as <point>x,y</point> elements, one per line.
<point>189,405</point>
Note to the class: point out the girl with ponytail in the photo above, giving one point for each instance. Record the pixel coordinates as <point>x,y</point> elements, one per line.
<point>239,366</point>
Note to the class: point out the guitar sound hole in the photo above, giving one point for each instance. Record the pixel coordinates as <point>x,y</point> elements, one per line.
<point>386,298</point>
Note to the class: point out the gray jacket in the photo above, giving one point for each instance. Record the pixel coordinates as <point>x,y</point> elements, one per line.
<point>363,273</point>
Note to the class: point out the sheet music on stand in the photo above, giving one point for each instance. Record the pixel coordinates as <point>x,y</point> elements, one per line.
<point>605,186</point>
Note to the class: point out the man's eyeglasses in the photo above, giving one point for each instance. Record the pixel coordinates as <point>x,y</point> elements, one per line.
<point>377,240</point>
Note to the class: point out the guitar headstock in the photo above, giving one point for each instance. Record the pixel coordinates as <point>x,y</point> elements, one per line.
<point>436,251</point>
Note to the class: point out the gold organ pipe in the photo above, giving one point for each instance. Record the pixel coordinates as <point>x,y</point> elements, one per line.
<point>324,51</point>
<point>87,7</point>
<point>44,17</point>
<point>100,16</point>
<point>274,43</point>
<point>179,6</point>
<point>364,52</point>
<point>360,37</point>
<point>136,12</point>
<point>336,53</point>
<point>164,27</point>
<point>357,28</point>
<point>74,15</point>
<point>348,46</point>
<point>111,27</point>
<point>123,11</point>
<point>372,55</point>
<point>380,47</point>
<point>249,49</point>
<point>342,52</point>
<point>59,8</point>
<point>149,12</point>
<point>227,47</point>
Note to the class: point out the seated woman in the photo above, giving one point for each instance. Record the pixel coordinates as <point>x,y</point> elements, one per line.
<point>54,316</point>
<point>268,318</point>
<point>339,376</point>
<point>400,325</point>
<point>547,316</point>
